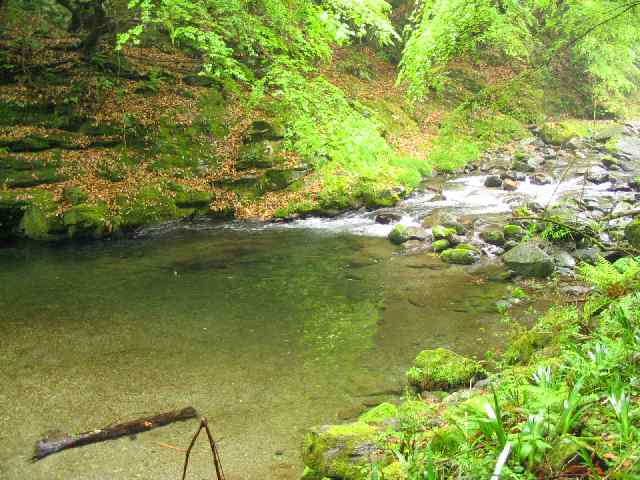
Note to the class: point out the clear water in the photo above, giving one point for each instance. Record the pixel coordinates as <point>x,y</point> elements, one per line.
<point>265,332</point>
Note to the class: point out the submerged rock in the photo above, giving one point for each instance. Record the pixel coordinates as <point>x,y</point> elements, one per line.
<point>529,260</point>
<point>387,218</point>
<point>442,369</point>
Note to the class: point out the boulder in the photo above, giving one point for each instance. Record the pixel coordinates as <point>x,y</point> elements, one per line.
<point>442,369</point>
<point>529,260</point>
<point>556,134</point>
<point>597,176</point>
<point>460,256</point>
<point>400,234</point>
<point>86,221</point>
<point>262,154</point>
<point>513,232</point>
<point>493,181</point>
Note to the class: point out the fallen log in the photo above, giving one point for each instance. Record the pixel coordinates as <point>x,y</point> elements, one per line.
<point>48,446</point>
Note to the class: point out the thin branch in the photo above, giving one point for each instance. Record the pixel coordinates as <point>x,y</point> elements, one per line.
<point>204,425</point>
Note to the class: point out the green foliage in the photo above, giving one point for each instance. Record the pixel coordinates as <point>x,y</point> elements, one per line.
<point>528,33</point>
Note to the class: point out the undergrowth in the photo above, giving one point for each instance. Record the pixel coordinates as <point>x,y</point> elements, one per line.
<point>569,409</point>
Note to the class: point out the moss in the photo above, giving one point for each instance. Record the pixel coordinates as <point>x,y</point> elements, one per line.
<point>557,133</point>
<point>460,256</point>
<point>12,208</point>
<point>440,232</point>
<point>632,233</point>
<point>399,234</point>
<point>513,232</point>
<point>380,198</point>
<point>493,236</point>
<point>150,205</point>
<point>30,178</point>
<point>264,154</point>
<point>380,414</point>
<point>87,221</point>
<point>193,199</point>
<point>40,220</point>
<point>442,369</point>
<point>341,451</point>
<point>522,348</point>
<point>440,245</point>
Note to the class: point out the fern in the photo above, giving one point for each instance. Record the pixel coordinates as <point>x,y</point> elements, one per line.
<point>606,278</point>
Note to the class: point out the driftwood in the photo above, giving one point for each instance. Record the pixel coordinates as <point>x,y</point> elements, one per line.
<point>204,425</point>
<point>48,446</point>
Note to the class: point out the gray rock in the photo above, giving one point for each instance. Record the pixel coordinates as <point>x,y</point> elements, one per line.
<point>541,179</point>
<point>587,255</point>
<point>597,176</point>
<point>529,260</point>
<point>563,259</point>
<point>387,218</point>
<point>493,181</point>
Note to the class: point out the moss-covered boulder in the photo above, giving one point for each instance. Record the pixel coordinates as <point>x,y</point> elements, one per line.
<point>193,199</point>
<point>87,221</point>
<point>280,178</point>
<point>493,235</point>
<point>400,234</point>
<point>440,245</point>
<point>442,369</point>
<point>341,451</point>
<point>632,233</point>
<point>440,232</point>
<point>557,133</point>
<point>460,256</point>
<point>12,208</point>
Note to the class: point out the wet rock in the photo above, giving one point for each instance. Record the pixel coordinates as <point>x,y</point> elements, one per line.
<point>509,244</point>
<point>509,185</point>
<point>611,163</point>
<point>387,218</point>
<point>529,260</point>
<point>574,290</point>
<point>541,179</point>
<point>524,165</point>
<point>442,369</point>
<point>460,256</point>
<point>493,181</point>
<point>632,233</point>
<point>511,175</point>
<point>597,176</point>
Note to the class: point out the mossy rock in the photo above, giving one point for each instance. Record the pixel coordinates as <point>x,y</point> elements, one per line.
<point>264,154</point>
<point>279,179</point>
<point>557,133</point>
<point>261,130</point>
<point>41,221</point>
<point>87,221</point>
<point>632,233</point>
<point>31,178</point>
<point>440,245</point>
<point>442,369</point>
<point>150,205</point>
<point>460,256</point>
<point>381,198</point>
<point>513,232</point>
<point>443,233</point>
<point>341,451</point>
<point>400,234</point>
<point>380,415</point>
<point>493,236</point>
<point>193,199</point>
